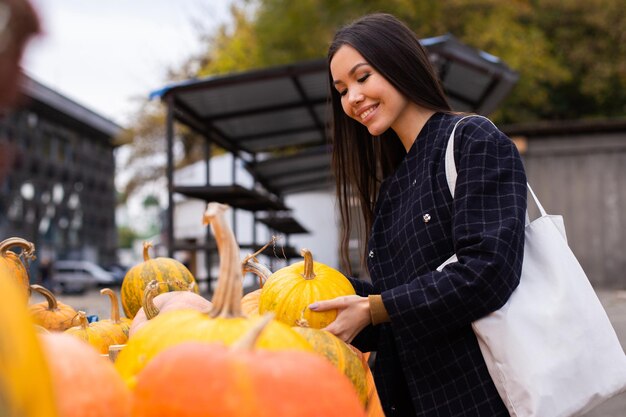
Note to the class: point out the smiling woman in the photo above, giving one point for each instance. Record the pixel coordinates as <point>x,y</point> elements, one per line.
<point>391,124</point>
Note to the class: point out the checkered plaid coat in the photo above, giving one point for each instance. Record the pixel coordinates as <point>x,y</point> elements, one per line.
<point>428,362</point>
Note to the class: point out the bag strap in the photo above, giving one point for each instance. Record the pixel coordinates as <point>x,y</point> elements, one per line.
<point>451,173</point>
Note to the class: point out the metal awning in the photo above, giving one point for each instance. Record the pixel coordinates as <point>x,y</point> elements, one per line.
<point>280,107</point>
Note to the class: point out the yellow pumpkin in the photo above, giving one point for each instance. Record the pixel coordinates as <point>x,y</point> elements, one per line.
<point>336,351</point>
<point>26,388</point>
<point>166,270</point>
<point>51,314</point>
<point>17,265</point>
<point>115,320</point>
<point>224,323</point>
<point>289,291</point>
<point>100,335</point>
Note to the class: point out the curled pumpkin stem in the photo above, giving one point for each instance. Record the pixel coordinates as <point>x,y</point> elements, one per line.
<point>151,291</point>
<point>115,307</point>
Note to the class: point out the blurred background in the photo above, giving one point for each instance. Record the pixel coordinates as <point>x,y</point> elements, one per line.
<point>93,166</point>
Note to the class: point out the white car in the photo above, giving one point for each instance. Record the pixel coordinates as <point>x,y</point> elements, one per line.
<point>78,276</point>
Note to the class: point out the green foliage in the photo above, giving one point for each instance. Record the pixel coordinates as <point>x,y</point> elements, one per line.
<point>126,236</point>
<point>570,54</point>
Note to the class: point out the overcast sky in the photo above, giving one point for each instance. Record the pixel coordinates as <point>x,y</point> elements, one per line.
<point>102,53</point>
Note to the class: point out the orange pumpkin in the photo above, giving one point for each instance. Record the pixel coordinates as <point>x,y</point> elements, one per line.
<point>115,320</point>
<point>154,304</point>
<point>213,380</point>
<point>169,271</point>
<point>17,265</point>
<point>26,388</point>
<point>86,384</point>
<point>289,291</point>
<point>51,314</point>
<point>225,323</point>
<point>98,334</point>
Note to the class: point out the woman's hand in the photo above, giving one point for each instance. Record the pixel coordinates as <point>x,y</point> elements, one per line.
<point>353,315</point>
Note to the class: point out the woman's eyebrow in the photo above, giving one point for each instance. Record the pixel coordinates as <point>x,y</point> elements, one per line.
<point>352,70</point>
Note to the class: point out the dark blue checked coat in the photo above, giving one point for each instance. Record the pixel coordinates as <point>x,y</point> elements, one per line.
<point>428,362</point>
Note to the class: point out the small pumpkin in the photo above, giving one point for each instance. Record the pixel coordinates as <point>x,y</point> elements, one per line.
<point>224,323</point>
<point>51,314</point>
<point>86,384</point>
<point>242,381</point>
<point>18,265</point>
<point>154,304</point>
<point>339,354</point>
<point>166,270</point>
<point>26,388</point>
<point>99,335</point>
<point>115,320</point>
<point>290,290</point>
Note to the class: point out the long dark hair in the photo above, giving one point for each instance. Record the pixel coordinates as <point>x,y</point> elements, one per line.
<point>360,161</point>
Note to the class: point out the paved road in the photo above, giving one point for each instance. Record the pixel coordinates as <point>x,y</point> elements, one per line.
<point>613,301</point>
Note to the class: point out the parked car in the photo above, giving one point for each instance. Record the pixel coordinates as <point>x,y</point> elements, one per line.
<point>79,276</point>
<point>118,271</point>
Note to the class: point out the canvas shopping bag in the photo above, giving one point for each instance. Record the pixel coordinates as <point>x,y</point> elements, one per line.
<point>551,349</point>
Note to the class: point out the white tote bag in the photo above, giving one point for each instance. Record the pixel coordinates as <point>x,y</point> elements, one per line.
<point>550,350</point>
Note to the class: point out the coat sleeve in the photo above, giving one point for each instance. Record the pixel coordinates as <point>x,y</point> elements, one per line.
<point>488,237</point>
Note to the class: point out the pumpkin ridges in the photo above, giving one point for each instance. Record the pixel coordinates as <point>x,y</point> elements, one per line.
<point>18,265</point>
<point>165,270</point>
<point>51,314</point>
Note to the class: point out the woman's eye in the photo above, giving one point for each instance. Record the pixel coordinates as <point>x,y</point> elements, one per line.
<point>343,92</point>
<point>363,78</point>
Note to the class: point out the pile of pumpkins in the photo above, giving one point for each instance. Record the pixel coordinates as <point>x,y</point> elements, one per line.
<point>177,353</point>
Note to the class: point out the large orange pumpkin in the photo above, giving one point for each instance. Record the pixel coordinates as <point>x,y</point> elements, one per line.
<point>17,265</point>
<point>154,304</point>
<point>169,271</point>
<point>206,380</point>
<point>289,291</point>
<point>85,383</point>
<point>51,314</point>
<point>225,323</point>
<point>26,388</point>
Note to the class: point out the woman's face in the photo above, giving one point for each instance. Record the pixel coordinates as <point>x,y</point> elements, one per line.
<point>367,96</point>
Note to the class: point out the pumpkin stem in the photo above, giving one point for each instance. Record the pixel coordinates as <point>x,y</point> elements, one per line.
<point>146,255</point>
<point>151,291</point>
<point>82,320</point>
<point>226,301</point>
<point>248,340</point>
<point>308,264</point>
<point>52,301</point>
<point>115,308</point>
<point>251,264</point>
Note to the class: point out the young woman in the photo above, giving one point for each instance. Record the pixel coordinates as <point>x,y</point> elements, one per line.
<point>391,127</point>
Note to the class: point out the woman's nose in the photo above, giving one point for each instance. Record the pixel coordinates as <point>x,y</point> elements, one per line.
<point>355,97</point>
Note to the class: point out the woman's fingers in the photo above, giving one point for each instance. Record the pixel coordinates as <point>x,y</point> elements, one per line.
<point>333,304</point>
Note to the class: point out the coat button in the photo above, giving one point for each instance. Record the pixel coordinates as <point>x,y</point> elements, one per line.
<point>414,182</point>
<point>371,254</point>
<point>426,218</point>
